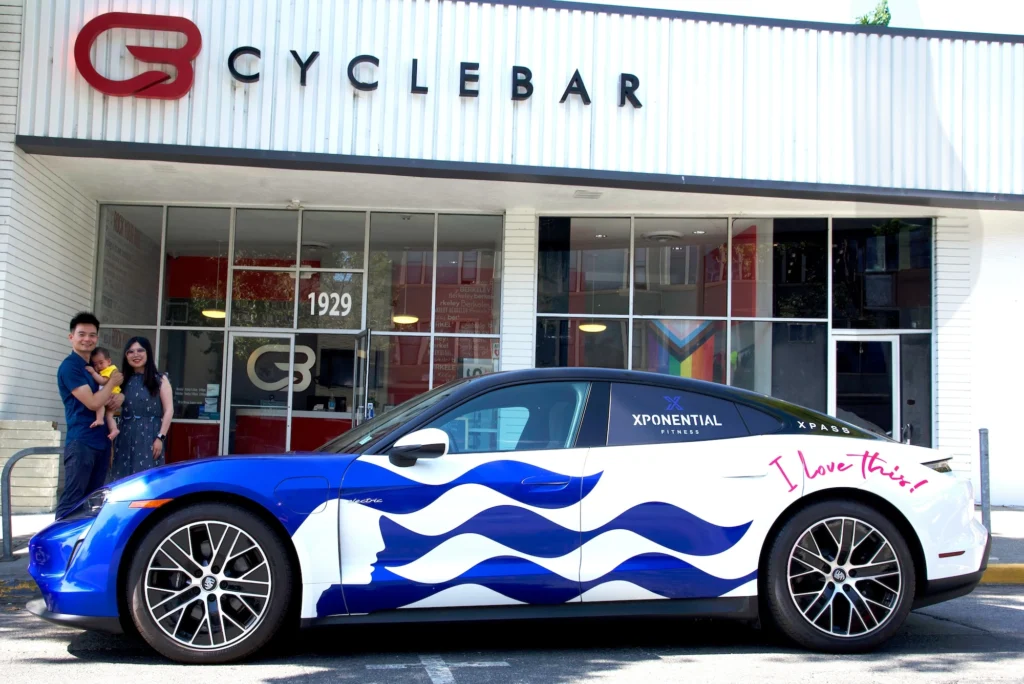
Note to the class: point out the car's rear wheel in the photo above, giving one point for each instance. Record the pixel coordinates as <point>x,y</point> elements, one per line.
<point>840,577</point>
<point>210,583</point>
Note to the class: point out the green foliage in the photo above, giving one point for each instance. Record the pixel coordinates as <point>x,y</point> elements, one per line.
<point>880,16</point>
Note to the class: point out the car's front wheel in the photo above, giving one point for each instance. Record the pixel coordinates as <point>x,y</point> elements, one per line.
<point>210,583</point>
<point>840,577</point>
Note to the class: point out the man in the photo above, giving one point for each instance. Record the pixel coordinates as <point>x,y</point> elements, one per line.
<point>86,449</point>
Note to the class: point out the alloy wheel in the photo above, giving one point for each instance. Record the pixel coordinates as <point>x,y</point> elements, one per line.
<point>844,577</point>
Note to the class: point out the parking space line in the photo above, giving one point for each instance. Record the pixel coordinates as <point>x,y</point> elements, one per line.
<point>437,669</point>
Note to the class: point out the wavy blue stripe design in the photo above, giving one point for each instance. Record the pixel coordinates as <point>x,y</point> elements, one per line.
<point>364,479</point>
<point>534,535</point>
<point>528,582</point>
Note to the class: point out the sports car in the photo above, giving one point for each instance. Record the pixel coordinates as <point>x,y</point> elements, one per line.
<point>545,493</point>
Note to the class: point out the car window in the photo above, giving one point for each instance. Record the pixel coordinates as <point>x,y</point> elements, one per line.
<point>759,422</point>
<point>648,414</point>
<point>529,417</point>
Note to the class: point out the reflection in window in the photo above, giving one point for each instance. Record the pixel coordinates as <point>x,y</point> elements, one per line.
<point>468,274</point>
<point>916,389</point>
<point>687,349</point>
<point>264,299</point>
<point>188,441</point>
<point>679,267</point>
<point>196,266</point>
<point>401,266</point>
<point>788,361</point>
<point>330,300</point>
<point>882,273</point>
<point>464,357</point>
<point>265,237</point>
<point>583,266</point>
<point>194,360</point>
<point>128,272</point>
<point>579,342</point>
<point>333,239</point>
<point>321,406</point>
<point>399,370</point>
<point>779,268</point>
<point>533,417</point>
<point>114,340</point>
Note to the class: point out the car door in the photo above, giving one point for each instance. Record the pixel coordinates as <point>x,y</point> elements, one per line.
<point>681,503</point>
<point>495,521</point>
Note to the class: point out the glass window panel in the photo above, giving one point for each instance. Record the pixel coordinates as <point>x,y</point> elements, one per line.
<point>882,273</point>
<point>333,239</point>
<point>688,349</point>
<point>583,266</point>
<point>788,361</point>
<point>257,421</point>
<point>864,384</point>
<point>128,274</point>
<point>916,389</point>
<point>532,417</point>
<point>189,441</point>
<point>263,299</point>
<point>196,266</point>
<point>468,274</point>
<point>266,237</point>
<point>399,370</point>
<point>576,342</point>
<point>779,268</point>
<point>194,360</point>
<point>679,267</point>
<point>321,407</point>
<point>114,340</point>
<point>401,268</point>
<point>331,300</point>
<point>464,357</point>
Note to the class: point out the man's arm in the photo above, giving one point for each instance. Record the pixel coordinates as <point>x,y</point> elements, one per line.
<point>94,400</point>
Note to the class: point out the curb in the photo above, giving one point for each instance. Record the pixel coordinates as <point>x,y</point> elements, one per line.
<point>1004,573</point>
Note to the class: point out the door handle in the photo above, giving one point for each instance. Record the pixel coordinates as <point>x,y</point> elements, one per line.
<point>543,481</point>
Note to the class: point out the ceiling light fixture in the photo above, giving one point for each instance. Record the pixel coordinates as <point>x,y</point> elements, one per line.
<point>405,319</point>
<point>214,313</point>
<point>593,327</point>
<point>600,236</point>
<point>699,232</point>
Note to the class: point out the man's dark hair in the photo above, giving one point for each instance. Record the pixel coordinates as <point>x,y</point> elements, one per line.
<point>84,318</point>
<point>102,352</point>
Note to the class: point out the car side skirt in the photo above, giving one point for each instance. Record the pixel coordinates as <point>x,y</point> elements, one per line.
<point>735,608</point>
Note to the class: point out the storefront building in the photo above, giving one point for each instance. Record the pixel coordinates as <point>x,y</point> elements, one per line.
<point>318,210</point>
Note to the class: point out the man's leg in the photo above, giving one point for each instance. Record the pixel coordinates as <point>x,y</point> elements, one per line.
<point>78,466</point>
<point>100,459</point>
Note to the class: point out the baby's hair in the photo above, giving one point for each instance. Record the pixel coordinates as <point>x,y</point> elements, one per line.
<point>101,352</point>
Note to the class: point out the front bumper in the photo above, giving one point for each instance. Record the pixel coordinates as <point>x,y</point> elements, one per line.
<point>947,588</point>
<point>103,624</point>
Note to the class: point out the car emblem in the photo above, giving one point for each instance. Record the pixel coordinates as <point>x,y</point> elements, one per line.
<point>839,575</point>
<point>209,583</point>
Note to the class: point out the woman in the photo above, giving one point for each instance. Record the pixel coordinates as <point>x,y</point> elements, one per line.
<point>146,413</point>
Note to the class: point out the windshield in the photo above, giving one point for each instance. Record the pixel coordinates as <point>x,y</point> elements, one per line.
<point>372,430</point>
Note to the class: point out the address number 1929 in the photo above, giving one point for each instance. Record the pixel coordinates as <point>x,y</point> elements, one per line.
<point>330,304</point>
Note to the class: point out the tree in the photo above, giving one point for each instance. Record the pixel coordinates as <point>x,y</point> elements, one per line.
<point>880,16</point>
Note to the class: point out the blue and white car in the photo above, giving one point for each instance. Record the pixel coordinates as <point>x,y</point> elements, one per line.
<point>527,494</point>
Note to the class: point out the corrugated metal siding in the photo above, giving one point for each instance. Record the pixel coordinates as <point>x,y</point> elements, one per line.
<point>719,99</point>
<point>953,341</point>
<point>47,252</point>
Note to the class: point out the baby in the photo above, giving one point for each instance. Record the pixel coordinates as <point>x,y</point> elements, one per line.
<point>101,369</point>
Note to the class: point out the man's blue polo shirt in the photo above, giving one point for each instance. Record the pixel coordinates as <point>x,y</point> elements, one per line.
<point>70,376</point>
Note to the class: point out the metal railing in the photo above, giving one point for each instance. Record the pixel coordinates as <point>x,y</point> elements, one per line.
<point>5,493</point>
<point>986,503</point>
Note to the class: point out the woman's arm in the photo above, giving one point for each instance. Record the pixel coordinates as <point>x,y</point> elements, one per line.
<point>167,399</point>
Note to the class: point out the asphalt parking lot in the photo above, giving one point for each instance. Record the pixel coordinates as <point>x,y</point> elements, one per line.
<point>978,638</point>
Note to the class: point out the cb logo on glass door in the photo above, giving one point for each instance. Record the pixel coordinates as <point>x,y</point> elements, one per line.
<point>304,369</point>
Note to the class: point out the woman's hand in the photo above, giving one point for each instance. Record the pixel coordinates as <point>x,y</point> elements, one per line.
<point>158,448</point>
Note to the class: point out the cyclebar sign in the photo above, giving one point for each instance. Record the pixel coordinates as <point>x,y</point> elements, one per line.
<point>361,70</point>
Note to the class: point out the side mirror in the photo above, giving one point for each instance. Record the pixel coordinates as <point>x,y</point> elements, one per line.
<point>426,443</point>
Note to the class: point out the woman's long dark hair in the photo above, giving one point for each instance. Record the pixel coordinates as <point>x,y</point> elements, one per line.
<point>150,376</point>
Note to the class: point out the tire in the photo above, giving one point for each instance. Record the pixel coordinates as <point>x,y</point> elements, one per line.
<point>849,606</point>
<point>192,601</point>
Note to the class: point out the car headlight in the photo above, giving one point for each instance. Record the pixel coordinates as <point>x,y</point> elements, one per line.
<point>90,507</point>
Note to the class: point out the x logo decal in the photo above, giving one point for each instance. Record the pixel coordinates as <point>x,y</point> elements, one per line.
<point>673,403</point>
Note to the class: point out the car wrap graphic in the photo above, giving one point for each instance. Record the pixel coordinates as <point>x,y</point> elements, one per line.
<point>502,529</point>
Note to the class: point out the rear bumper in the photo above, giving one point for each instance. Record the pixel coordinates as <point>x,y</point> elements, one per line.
<point>947,588</point>
<point>102,624</point>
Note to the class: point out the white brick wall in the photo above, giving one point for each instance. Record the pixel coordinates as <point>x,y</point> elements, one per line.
<point>519,291</point>
<point>47,255</point>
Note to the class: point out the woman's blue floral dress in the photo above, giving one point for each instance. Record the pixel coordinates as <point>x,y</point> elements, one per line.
<point>141,415</point>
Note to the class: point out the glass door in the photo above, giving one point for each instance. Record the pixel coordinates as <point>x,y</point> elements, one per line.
<point>866,382</point>
<point>361,374</point>
<point>261,378</point>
